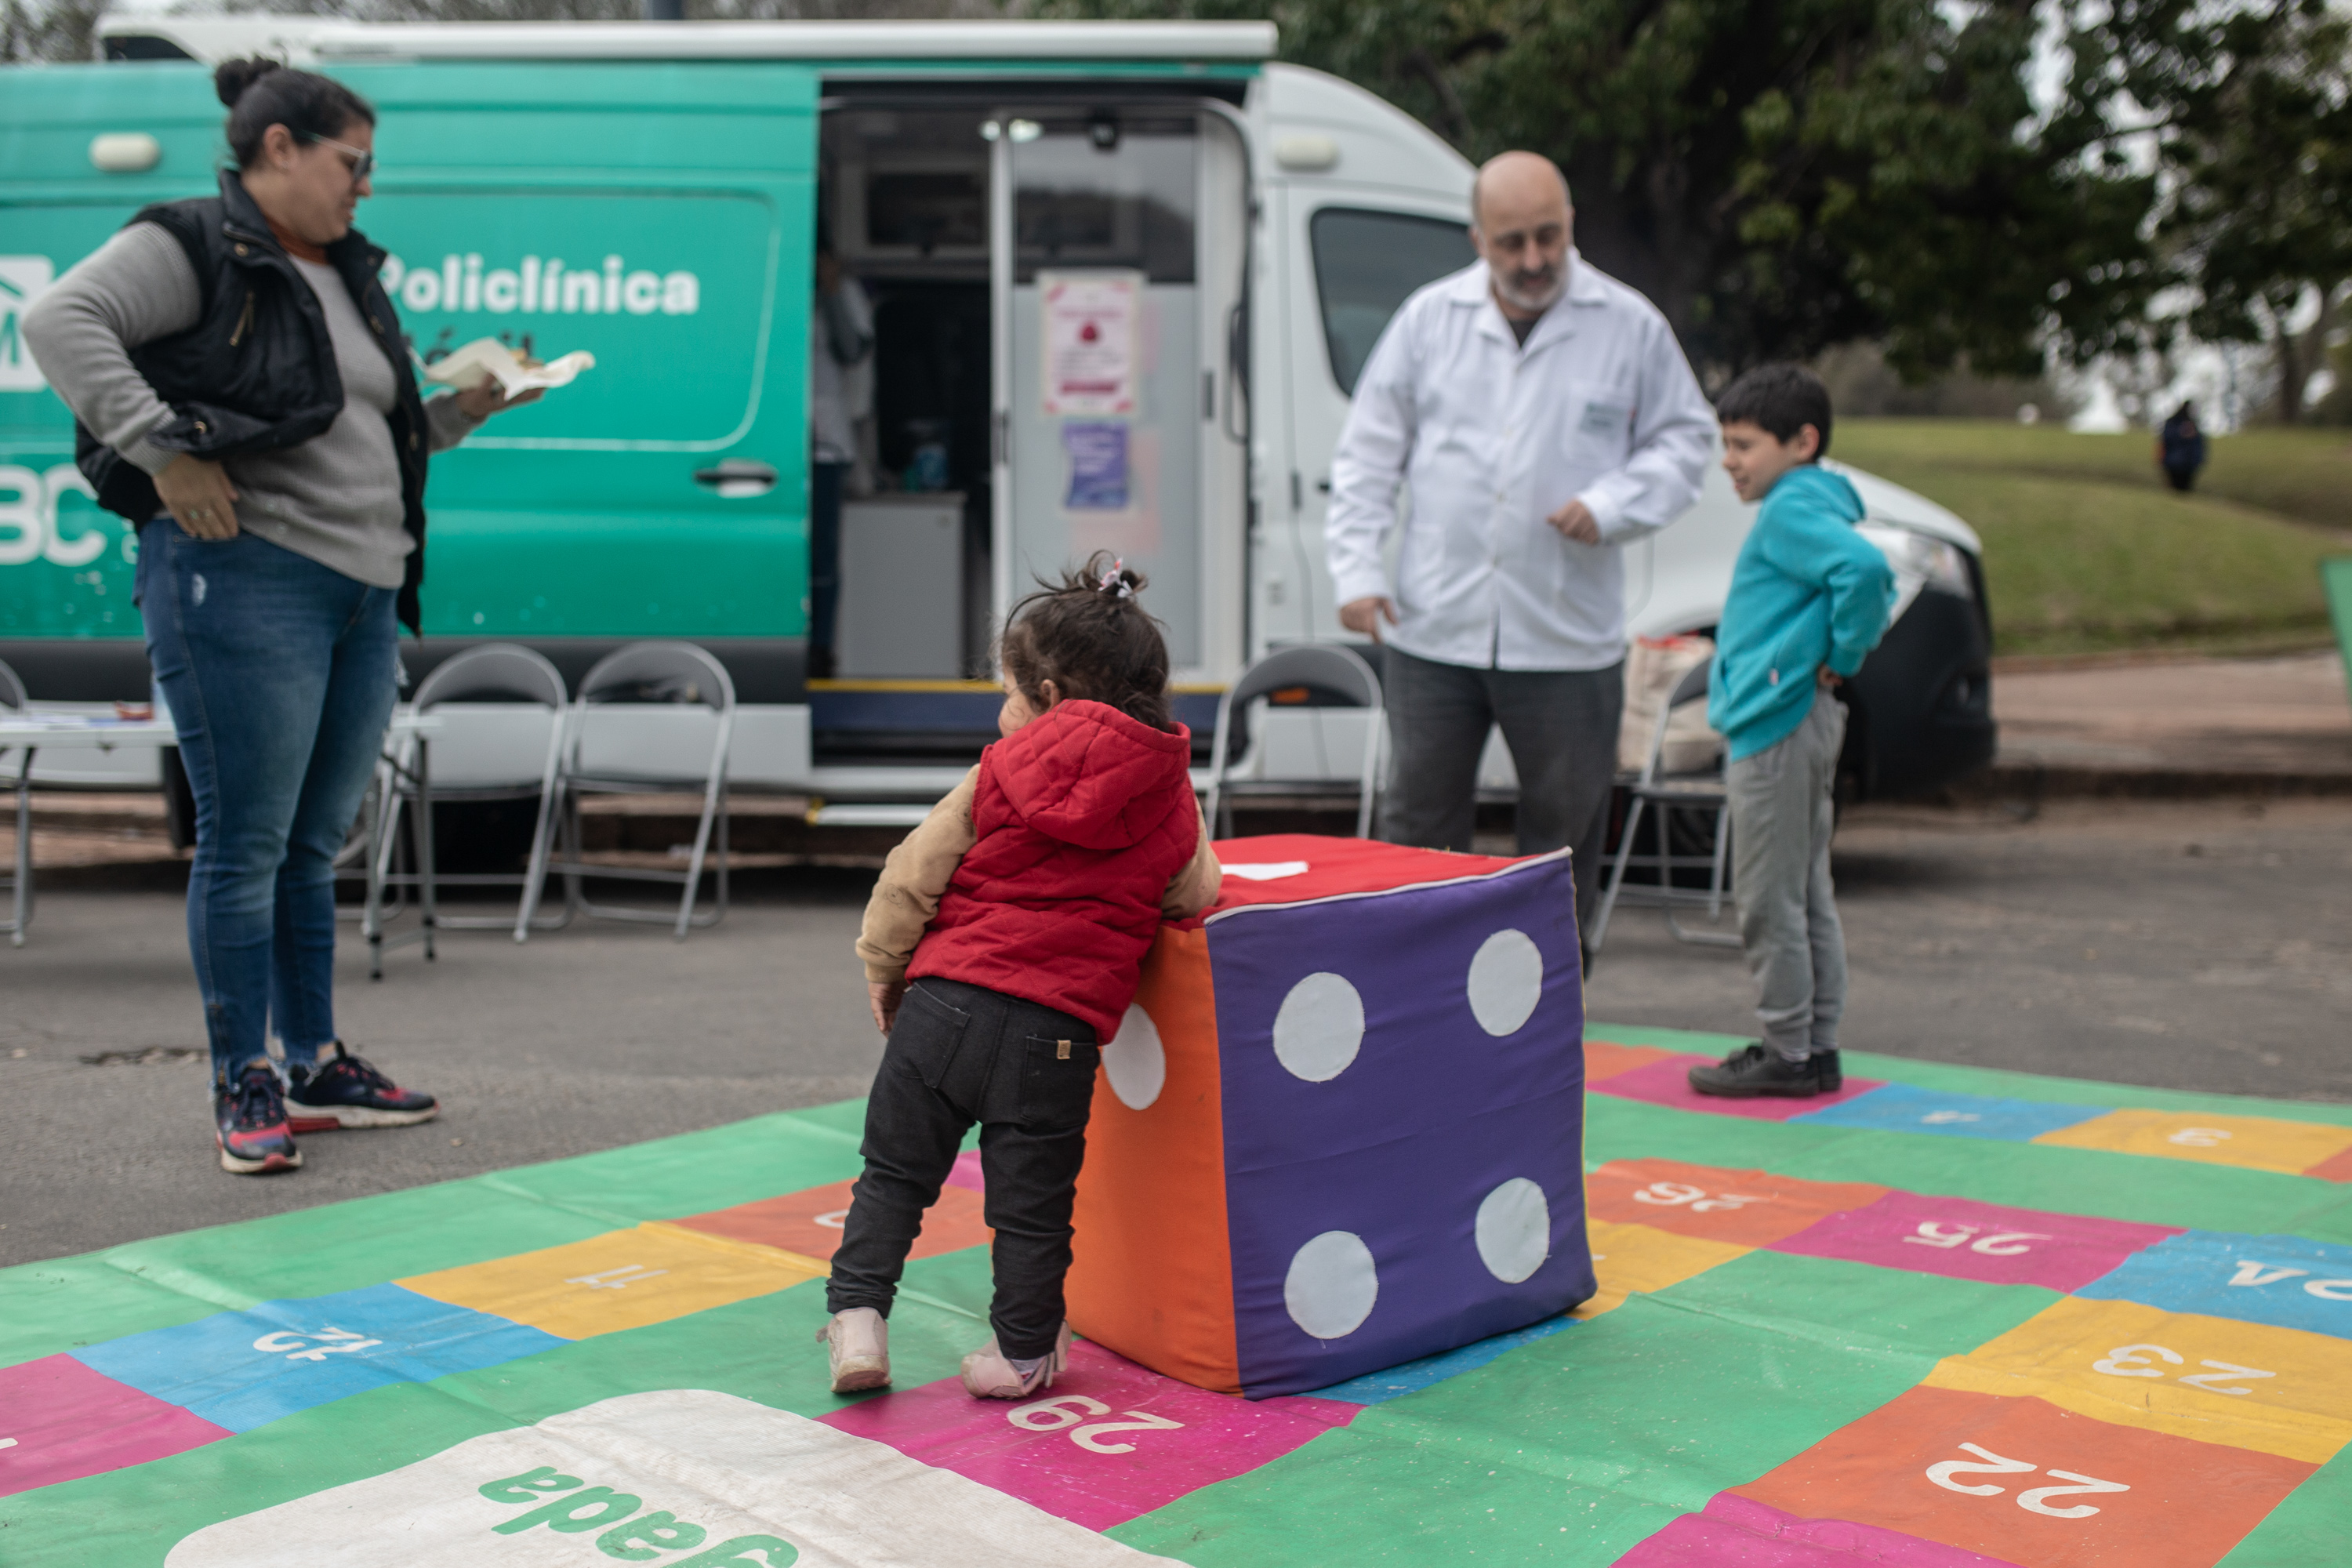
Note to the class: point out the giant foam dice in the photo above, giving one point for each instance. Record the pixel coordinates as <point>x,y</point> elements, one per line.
<point>1342,1126</point>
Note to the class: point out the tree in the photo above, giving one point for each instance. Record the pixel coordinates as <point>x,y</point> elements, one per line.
<point>1781,175</point>
<point>2251,121</point>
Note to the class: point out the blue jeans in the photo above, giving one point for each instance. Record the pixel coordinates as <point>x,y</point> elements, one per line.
<point>280,674</point>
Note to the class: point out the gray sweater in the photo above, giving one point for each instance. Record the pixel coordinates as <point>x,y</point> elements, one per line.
<point>334,499</point>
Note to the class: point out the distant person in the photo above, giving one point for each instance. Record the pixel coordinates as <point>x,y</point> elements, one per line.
<point>1542,418</point>
<point>242,392</point>
<point>1004,939</point>
<point>2181,447</point>
<point>841,337</point>
<point>1809,598</point>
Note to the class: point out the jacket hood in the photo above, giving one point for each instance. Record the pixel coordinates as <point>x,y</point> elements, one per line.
<point>1086,773</point>
<point>1816,486</point>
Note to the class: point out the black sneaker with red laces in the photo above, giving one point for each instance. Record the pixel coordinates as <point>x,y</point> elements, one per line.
<point>1752,1071</point>
<point>251,1124</point>
<point>343,1090</point>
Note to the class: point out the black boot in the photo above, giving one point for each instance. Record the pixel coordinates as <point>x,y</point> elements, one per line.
<point>1826,1070</point>
<point>1752,1070</point>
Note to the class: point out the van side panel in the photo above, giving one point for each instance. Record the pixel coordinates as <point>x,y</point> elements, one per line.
<point>65,567</point>
<point>658,215</point>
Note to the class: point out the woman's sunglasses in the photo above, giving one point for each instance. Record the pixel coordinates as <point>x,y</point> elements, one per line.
<point>362,163</point>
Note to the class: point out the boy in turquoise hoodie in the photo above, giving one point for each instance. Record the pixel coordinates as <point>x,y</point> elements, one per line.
<point>1809,598</point>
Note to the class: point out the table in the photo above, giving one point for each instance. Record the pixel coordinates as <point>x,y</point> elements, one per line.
<point>33,732</point>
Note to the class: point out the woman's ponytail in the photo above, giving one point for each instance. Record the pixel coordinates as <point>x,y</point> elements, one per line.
<point>261,93</point>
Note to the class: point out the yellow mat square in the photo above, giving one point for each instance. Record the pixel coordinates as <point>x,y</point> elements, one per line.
<point>621,1280</point>
<point>2263,1142</point>
<point>2248,1385</point>
<point>1640,1257</point>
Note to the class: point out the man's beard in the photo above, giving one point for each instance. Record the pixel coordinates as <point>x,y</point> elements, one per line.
<point>1532,291</point>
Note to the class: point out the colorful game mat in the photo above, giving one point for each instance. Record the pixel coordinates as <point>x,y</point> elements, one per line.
<point>1950,1317</point>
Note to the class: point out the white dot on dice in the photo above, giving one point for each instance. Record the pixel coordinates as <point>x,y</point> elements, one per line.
<point>1506,982</point>
<point>1319,1027</point>
<point>1514,1230</point>
<point>1331,1285</point>
<point>1135,1062</point>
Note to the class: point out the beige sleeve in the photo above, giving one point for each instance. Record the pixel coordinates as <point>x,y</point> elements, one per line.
<point>1194,888</point>
<point>907,894</point>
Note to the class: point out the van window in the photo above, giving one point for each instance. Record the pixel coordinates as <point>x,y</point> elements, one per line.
<point>1366,265</point>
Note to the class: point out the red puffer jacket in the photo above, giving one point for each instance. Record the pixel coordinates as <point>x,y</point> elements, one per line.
<point>1084,817</point>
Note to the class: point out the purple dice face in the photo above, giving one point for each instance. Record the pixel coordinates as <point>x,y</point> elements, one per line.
<point>1403,1081</point>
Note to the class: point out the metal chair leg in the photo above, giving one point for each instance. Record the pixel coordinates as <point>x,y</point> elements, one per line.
<point>23,891</point>
<point>1616,877</point>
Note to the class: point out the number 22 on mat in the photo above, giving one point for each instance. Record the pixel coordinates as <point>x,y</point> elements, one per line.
<point>1069,1409</point>
<point>1988,1463</point>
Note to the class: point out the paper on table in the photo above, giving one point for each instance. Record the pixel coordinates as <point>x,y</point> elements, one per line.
<point>487,358</point>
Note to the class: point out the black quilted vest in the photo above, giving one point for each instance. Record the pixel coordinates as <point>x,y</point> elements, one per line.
<point>256,372</point>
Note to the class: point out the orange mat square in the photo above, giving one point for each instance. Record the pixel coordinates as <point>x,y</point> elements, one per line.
<point>809,1222</point>
<point>1607,1058</point>
<point>2028,1483</point>
<point>1748,1208</point>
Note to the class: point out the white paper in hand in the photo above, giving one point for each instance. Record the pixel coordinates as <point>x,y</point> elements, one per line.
<point>487,359</point>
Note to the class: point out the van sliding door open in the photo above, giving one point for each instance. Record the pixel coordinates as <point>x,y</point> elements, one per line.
<point>1119,249</point>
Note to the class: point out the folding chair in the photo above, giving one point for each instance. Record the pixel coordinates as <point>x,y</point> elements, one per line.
<point>1662,794</point>
<point>512,747</point>
<point>1322,668</point>
<point>626,727</point>
<point>13,701</point>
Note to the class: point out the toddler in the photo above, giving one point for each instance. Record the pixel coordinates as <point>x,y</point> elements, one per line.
<point>1003,942</point>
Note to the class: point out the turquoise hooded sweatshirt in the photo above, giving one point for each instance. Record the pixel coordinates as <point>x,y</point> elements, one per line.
<point>1807,591</point>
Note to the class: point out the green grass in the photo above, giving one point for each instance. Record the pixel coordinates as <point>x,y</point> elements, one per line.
<point>2085,550</point>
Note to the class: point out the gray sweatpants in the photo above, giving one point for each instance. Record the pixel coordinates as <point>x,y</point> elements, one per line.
<point>1562,727</point>
<point>1781,822</point>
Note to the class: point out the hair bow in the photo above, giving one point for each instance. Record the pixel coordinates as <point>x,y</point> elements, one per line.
<point>1115,581</point>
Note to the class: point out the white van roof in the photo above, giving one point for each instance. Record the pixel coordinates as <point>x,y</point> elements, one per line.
<point>307,39</point>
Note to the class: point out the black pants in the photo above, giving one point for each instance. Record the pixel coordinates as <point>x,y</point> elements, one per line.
<point>1561,726</point>
<point>961,1054</point>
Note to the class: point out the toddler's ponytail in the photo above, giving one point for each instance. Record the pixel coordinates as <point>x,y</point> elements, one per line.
<point>1091,636</point>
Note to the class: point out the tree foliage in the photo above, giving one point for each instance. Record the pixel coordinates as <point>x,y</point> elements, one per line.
<point>2255,135</point>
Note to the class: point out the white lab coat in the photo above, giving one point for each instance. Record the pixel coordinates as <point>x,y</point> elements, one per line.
<point>1490,438</point>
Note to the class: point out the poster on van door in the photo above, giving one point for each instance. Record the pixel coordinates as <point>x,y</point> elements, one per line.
<point>1091,330</point>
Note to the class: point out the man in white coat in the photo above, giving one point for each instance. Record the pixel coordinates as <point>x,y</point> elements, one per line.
<point>1542,418</point>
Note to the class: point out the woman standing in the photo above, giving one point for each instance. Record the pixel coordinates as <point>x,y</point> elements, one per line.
<point>242,391</point>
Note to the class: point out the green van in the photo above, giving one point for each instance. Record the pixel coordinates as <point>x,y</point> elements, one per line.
<point>1121,278</point>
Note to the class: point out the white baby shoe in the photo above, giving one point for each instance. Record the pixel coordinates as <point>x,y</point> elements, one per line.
<point>989,1373</point>
<point>858,1344</point>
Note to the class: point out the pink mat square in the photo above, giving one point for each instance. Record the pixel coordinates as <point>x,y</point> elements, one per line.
<point>1667,1082</point>
<point>69,1422</point>
<point>1066,1450</point>
<point>1967,1240</point>
<point>965,1172</point>
<point>1734,1533</point>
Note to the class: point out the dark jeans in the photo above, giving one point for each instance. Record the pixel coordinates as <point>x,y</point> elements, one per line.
<point>961,1054</point>
<point>825,550</point>
<point>280,674</point>
<point>1561,726</point>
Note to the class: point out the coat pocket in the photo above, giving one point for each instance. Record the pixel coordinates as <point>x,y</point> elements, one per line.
<point>924,1036</point>
<point>1057,1080</point>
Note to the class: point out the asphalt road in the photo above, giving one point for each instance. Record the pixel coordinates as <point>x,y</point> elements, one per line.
<point>2202,945</point>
